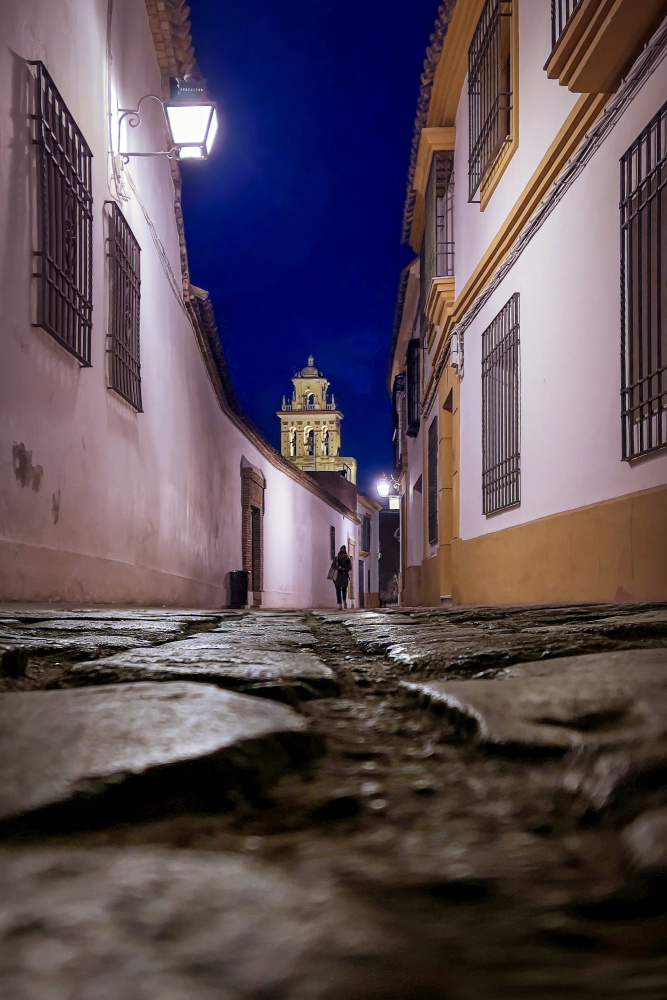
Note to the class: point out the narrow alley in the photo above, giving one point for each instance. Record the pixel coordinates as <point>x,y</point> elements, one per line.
<point>429,804</point>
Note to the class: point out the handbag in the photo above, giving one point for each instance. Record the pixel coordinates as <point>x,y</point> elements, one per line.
<point>333,573</point>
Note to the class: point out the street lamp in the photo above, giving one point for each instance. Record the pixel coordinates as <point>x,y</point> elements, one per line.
<point>192,120</point>
<point>383,486</point>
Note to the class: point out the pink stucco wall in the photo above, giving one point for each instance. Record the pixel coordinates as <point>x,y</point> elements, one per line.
<point>121,506</point>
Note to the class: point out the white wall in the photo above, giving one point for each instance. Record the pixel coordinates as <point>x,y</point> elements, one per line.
<point>139,508</point>
<point>568,280</point>
<point>543,108</point>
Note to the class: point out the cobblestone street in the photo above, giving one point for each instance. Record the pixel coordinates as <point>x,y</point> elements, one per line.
<point>460,804</point>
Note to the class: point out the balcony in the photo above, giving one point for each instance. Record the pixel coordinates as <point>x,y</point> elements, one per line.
<point>561,12</point>
<point>294,406</point>
<point>595,42</point>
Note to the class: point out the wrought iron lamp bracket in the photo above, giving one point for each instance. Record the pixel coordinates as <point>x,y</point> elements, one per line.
<point>133,117</point>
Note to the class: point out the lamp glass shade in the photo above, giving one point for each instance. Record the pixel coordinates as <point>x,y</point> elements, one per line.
<point>212,130</point>
<point>193,128</point>
<point>190,153</point>
<point>383,486</point>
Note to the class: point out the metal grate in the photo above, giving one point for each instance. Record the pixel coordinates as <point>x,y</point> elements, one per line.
<point>65,220</point>
<point>365,534</point>
<point>561,12</point>
<point>124,368</point>
<point>643,288</point>
<point>398,403</point>
<point>501,432</point>
<point>332,541</point>
<point>437,257</point>
<point>489,90</point>
<point>413,387</point>
<point>432,482</point>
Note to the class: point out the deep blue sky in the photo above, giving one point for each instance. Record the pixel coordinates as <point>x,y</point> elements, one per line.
<point>293,225</point>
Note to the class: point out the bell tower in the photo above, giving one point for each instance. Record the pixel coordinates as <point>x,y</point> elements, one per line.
<point>310,426</point>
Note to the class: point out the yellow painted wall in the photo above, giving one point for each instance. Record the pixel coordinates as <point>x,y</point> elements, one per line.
<point>611,551</point>
<point>412,592</point>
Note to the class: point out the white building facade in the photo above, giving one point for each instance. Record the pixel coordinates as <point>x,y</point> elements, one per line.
<point>128,473</point>
<point>547,459</point>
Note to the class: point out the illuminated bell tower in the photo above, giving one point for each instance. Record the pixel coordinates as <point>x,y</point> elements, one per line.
<point>310,426</point>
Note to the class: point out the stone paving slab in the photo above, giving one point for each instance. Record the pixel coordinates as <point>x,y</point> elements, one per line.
<point>596,700</point>
<point>151,924</point>
<point>30,614</point>
<point>152,631</point>
<point>211,658</point>
<point>443,642</point>
<point>70,646</point>
<point>55,745</point>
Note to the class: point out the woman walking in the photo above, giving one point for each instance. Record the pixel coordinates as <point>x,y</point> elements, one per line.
<point>341,567</point>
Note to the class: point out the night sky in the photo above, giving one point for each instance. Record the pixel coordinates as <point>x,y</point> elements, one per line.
<point>293,225</point>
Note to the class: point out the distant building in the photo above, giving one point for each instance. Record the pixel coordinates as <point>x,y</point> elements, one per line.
<point>532,465</point>
<point>310,426</point>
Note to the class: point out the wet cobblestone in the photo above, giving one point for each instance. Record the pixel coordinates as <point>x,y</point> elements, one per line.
<point>464,873</point>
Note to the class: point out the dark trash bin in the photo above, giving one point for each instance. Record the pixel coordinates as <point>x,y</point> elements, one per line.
<point>238,585</point>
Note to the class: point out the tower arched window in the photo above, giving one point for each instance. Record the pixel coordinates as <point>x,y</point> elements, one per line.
<point>309,441</point>
<point>310,399</point>
<point>292,442</point>
<point>325,442</point>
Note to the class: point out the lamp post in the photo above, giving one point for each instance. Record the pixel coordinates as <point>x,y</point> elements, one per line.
<point>191,118</point>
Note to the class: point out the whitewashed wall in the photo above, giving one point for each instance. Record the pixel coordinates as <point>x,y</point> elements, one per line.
<point>136,508</point>
<point>568,280</point>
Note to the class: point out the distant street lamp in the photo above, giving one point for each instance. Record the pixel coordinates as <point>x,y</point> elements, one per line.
<point>384,486</point>
<point>192,120</point>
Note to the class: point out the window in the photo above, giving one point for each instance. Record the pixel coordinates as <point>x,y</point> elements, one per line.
<point>332,542</point>
<point>489,90</point>
<point>325,442</point>
<point>432,482</point>
<point>124,367</point>
<point>643,290</point>
<point>561,12</point>
<point>309,441</point>
<point>437,256</point>
<point>500,410</point>
<point>64,221</point>
<point>365,534</point>
<point>413,387</point>
<point>398,398</point>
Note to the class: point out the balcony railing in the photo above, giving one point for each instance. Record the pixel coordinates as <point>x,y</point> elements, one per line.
<point>561,12</point>
<point>308,406</point>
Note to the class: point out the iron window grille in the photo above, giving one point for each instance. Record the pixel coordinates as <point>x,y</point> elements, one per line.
<point>413,388</point>
<point>501,432</point>
<point>365,543</point>
<point>332,542</point>
<point>432,482</point>
<point>398,401</point>
<point>64,254</point>
<point>489,90</point>
<point>437,256</point>
<point>643,288</point>
<point>124,367</point>
<point>561,13</point>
